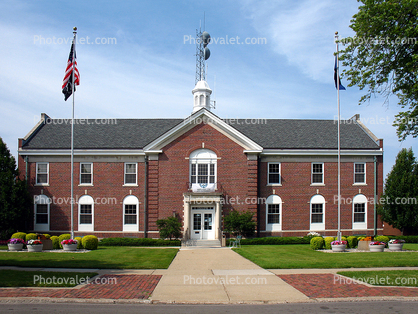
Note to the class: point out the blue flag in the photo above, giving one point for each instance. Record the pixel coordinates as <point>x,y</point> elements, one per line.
<point>335,76</point>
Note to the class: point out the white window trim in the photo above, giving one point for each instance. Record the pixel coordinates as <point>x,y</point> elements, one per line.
<point>136,174</point>
<point>274,199</point>
<point>354,176</point>
<point>211,159</point>
<point>41,199</point>
<point>323,174</point>
<point>86,184</point>
<point>280,174</point>
<point>130,200</point>
<point>47,173</point>
<point>315,226</point>
<point>360,199</point>
<point>86,200</point>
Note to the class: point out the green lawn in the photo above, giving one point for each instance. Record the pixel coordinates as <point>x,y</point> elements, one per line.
<point>302,256</point>
<point>104,257</point>
<point>408,278</point>
<point>19,278</point>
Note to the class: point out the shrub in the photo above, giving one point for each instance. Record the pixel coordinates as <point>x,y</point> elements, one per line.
<point>342,238</point>
<point>31,236</point>
<point>328,241</point>
<point>169,228</point>
<point>19,235</point>
<point>47,236</point>
<point>79,244</point>
<point>138,242</point>
<point>352,242</point>
<point>55,242</point>
<point>63,237</point>
<point>382,239</point>
<point>317,243</point>
<point>90,242</point>
<point>240,223</point>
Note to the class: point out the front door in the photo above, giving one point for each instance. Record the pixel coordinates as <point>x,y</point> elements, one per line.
<point>202,223</point>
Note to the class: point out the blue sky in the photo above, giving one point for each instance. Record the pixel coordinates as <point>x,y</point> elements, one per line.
<point>145,67</point>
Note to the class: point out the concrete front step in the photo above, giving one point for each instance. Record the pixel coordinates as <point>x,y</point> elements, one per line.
<point>201,243</point>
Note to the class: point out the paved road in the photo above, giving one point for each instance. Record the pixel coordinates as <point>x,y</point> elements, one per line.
<point>312,308</point>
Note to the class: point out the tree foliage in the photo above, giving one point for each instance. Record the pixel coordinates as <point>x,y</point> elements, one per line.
<point>169,228</point>
<point>14,196</point>
<point>400,208</point>
<point>382,57</point>
<point>240,223</point>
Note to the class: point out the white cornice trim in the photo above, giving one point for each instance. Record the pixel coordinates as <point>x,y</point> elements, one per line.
<point>323,152</point>
<point>81,152</point>
<point>203,116</point>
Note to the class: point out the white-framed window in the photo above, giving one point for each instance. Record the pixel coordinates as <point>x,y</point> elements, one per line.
<point>274,213</point>
<point>360,212</point>
<point>131,173</point>
<point>359,173</point>
<point>203,169</point>
<point>130,213</point>
<point>317,212</point>
<point>42,173</point>
<point>41,212</point>
<point>86,213</point>
<point>317,173</point>
<point>274,173</point>
<point>86,173</point>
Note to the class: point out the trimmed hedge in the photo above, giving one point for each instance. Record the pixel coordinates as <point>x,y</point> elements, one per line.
<point>408,239</point>
<point>90,242</point>
<point>19,235</point>
<point>79,244</point>
<point>31,236</point>
<point>138,242</point>
<point>328,241</point>
<point>274,241</point>
<point>317,243</point>
<point>55,242</point>
<point>352,242</point>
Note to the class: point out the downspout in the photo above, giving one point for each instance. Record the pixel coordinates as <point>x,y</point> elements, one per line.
<point>258,195</point>
<point>375,195</point>
<point>146,197</point>
<point>26,166</point>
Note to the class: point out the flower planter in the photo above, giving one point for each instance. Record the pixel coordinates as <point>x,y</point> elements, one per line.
<point>377,248</point>
<point>338,247</point>
<point>363,245</point>
<point>35,248</point>
<point>69,247</point>
<point>15,247</point>
<point>395,246</point>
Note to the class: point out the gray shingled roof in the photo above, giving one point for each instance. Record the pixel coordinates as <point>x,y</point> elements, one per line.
<point>137,133</point>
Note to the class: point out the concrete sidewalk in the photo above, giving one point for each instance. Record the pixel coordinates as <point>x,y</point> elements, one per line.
<point>220,276</point>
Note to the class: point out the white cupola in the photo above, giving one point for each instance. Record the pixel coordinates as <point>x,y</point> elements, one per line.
<point>201,96</point>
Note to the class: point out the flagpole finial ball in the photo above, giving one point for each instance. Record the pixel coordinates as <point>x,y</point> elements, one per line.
<point>336,33</point>
<point>74,28</point>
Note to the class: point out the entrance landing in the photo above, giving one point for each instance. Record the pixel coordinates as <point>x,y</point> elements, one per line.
<point>200,244</point>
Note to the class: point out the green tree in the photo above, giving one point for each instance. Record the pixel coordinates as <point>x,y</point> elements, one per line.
<point>383,57</point>
<point>14,196</point>
<point>169,228</point>
<point>400,208</point>
<point>240,223</point>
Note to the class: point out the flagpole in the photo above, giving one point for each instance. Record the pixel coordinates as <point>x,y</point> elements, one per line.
<point>339,144</point>
<point>72,136</point>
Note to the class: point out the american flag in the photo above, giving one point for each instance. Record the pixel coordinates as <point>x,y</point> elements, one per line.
<point>67,83</point>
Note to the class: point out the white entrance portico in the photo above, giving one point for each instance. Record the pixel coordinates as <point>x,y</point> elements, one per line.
<point>202,216</point>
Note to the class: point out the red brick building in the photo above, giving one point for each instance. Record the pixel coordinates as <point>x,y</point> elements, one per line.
<point>130,172</point>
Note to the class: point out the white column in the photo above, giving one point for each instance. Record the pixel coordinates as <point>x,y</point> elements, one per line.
<point>186,215</point>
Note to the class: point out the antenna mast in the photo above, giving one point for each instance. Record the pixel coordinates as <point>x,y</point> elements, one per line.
<point>202,54</point>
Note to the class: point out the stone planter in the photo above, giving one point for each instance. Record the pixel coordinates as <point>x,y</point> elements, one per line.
<point>69,247</point>
<point>363,245</point>
<point>376,248</point>
<point>395,246</point>
<point>15,247</point>
<point>35,248</point>
<point>338,247</point>
<point>47,244</point>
